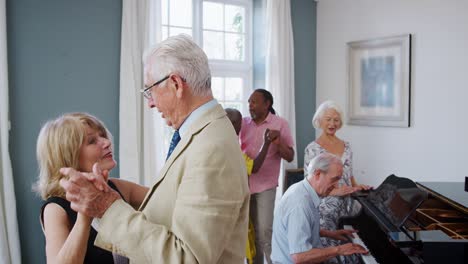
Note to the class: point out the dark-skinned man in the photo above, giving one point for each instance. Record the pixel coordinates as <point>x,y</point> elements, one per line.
<point>264,182</point>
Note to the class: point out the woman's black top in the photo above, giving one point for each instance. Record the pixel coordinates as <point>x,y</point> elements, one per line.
<point>93,254</point>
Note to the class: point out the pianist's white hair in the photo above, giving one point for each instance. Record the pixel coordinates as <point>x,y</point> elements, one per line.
<point>322,162</point>
<point>321,111</point>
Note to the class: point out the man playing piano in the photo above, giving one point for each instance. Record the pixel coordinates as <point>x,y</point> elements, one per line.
<point>296,223</point>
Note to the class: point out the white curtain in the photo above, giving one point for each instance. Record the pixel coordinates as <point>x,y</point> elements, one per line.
<point>9,237</point>
<point>141,146</point>
<point>280,66</point>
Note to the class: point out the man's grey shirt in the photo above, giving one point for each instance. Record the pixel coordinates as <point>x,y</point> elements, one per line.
<point>296,223</point>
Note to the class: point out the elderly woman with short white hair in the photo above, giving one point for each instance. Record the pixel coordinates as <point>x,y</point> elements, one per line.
<point>328,118</point>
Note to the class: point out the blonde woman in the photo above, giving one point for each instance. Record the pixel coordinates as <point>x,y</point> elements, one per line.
<point>82,142</point>
<point>329,118</point>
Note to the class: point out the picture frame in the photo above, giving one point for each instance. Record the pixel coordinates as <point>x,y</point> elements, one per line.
<point>379,81</point>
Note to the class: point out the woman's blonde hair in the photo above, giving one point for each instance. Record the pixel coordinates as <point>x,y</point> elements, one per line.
<point>58,146</point>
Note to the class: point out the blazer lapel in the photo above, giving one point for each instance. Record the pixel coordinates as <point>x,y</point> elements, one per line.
<point>204,120</point>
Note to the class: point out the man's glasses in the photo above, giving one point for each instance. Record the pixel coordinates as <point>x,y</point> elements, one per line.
<point>147,91</point>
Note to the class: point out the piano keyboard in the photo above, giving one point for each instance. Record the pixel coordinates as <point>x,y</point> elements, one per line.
<point>367,259</point>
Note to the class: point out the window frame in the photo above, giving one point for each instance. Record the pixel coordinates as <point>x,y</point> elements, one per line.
<point>229,68</point>
<point>226,68</point>
<point>247,79</point>
<point>198,34</point>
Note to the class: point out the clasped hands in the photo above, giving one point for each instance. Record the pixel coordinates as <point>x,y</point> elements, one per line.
<point>271,135</point>
<point>88,192</point>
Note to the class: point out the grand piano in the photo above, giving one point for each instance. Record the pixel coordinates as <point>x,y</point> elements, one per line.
<point>406,222</point>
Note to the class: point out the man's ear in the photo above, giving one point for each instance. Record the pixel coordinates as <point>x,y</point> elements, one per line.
<point>178,84</point>
<point>317,174</point>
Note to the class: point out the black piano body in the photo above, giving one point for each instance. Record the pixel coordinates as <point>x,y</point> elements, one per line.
<point>405,222</point>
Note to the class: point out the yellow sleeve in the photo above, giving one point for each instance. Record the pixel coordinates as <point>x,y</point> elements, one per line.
<point>248,163</point>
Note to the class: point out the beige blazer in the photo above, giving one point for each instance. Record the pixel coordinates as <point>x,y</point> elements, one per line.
<point>197,209</point>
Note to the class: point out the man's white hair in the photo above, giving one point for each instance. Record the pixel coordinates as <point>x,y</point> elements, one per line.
<point>182,56</point>
<point>322,162</point>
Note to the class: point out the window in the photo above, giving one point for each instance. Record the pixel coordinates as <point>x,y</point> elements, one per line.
<point>223,29</point>
<point>176,17</point>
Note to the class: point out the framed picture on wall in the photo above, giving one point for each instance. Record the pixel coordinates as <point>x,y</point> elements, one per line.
<point>379,79</point>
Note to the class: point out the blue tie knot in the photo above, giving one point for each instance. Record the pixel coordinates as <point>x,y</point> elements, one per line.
<point>174,141</point>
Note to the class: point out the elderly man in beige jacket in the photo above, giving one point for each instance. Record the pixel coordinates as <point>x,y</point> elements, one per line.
<point>197,209</point>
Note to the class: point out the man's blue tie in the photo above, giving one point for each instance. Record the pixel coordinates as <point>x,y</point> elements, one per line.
<point>174,141</point>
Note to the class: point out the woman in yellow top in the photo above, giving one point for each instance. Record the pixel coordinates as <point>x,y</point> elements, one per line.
<point>252,165</point>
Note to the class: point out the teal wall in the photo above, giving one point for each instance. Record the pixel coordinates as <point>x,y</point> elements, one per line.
<point>304,21</point>
<point>63,56</point>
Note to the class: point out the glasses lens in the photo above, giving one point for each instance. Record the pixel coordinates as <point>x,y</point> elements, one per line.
<point>147,90</point>
<point>147,94</point>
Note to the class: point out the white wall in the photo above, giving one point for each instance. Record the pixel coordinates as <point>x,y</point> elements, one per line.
<point>435,146</point>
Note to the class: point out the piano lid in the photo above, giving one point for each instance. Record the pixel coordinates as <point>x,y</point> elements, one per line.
<point>451,192</point>
<point>397,198</point>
